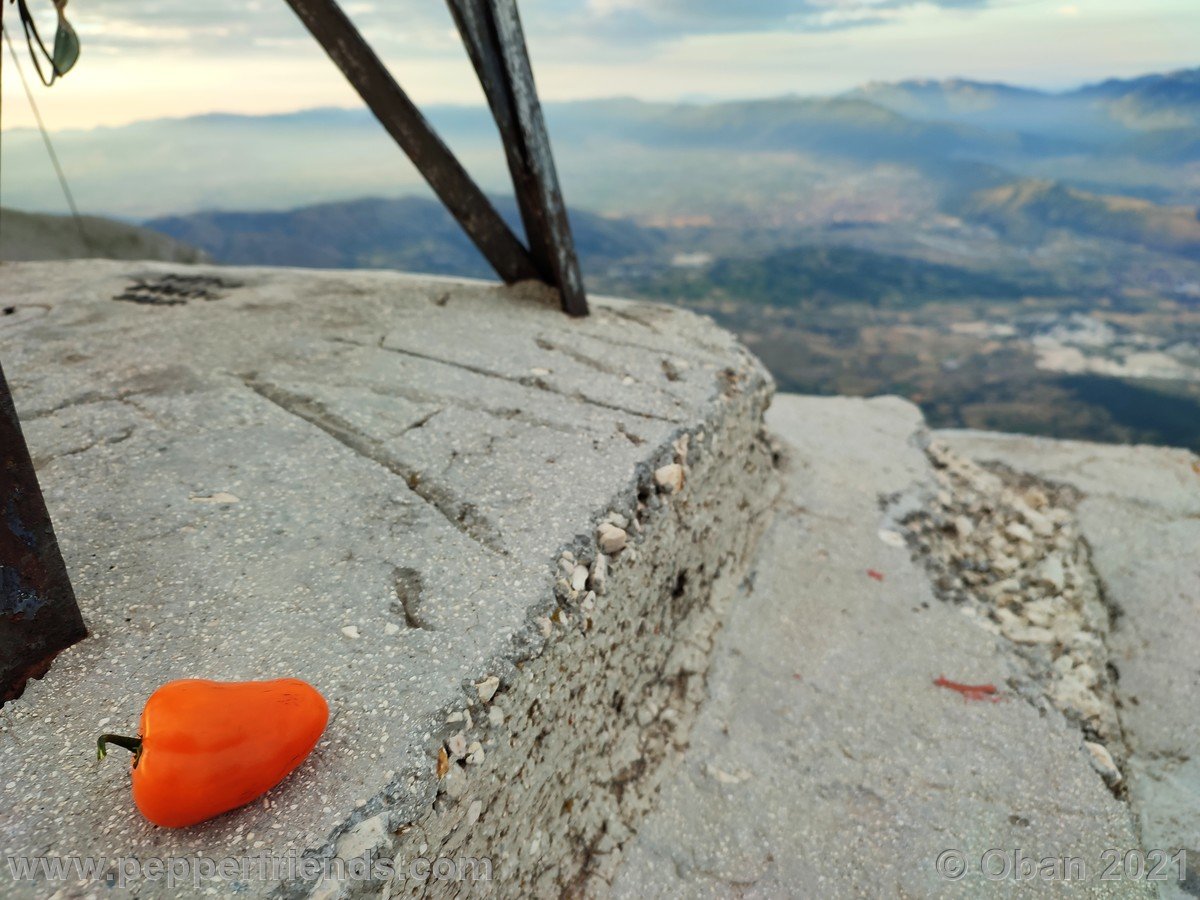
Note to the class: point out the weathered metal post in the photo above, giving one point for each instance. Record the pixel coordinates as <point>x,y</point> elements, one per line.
<point>404,122</point>
<point>491,30</point>
<point>38,614</point>
<point>496,44</point>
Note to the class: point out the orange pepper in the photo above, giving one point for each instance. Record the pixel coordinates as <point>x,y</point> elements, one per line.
<point>206,747</point>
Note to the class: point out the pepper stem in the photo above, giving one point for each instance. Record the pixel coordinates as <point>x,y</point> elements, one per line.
<point>133,745</point>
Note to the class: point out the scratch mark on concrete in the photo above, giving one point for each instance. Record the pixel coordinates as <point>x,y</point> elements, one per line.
<point>463,516</point>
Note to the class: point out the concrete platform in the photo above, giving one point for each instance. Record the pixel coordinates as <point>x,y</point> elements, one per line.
<point>390,487</point>
<point>828,761</point>
<point>1140,514</point>
<point>585,627</point>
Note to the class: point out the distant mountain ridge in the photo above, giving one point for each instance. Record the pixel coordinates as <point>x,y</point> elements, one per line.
<point>1147,103</point>
<point>921,238</point>
<point>35,236</point>
<point>411,233</point>
<point>1026,210</point>
<point>629,157</point>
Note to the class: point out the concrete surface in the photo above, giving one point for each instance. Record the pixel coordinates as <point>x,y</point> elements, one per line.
<point>384,485</point>
<point>826,761</point>
<point>1140,514</point>
<point>506,545</point>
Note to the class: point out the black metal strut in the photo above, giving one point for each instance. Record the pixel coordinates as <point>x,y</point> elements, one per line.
<point>38,613</point>
<point>491,30</point>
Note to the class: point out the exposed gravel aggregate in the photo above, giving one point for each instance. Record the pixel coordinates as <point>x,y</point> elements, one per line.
<point>1007,549</point>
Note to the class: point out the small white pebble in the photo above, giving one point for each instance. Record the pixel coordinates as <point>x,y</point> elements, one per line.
<point>579,578</point>
<point>598,580</point>
<point>391,628</point>
<point>681,448</point>
<point>1103,762</point>
<point>669,477</point>
<point>351,631</point>
<point>891,538</point>
<point>474,811</point>
<point>218,497</point>
<point>1019,532</point>
<point>611,539</point>
<point>487,688</point>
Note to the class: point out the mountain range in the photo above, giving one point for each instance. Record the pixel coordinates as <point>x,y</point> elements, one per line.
<point>1139,137</point>
<point>1009,258</point>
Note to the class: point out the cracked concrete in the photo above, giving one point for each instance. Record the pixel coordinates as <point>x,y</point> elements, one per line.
<point>842,749</point>
<point>506,545</point>
<point>458,513</point>
<point>258,484</point>
<point>1006,548</point>
<point>1139,512</point>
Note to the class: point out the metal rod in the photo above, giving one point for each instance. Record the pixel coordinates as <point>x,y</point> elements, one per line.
<point>491,30</point>
<point>38,613</point>
<point>404,122</point>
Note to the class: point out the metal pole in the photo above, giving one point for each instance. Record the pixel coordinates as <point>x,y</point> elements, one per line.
<point>404,122</point>
<point>491,30</point>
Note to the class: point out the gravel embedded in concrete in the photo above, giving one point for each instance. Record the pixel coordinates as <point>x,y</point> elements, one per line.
<point>826,761</point>
<point>1139,512</point>
<point>1009,552</point>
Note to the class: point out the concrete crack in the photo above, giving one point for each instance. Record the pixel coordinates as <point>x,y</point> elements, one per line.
<point>510,414</point>
<point>1007,548</point>
<point>649,348</point>
<point>629,316</point>
<point>582,358</point>
<point>531,381</point>
<point>463,516</point>
<point>102,441</point>
<point>409,589</point>
<point>88,398</point>
<point>420,423</point>
<point>669,369</point>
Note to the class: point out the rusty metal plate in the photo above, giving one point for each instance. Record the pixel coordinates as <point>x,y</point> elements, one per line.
<point>38,613</point>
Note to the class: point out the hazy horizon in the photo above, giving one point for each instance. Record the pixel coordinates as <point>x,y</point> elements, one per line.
<point>151,59</point>
<point>695,100</point>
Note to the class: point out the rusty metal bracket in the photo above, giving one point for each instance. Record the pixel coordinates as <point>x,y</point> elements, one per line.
<point>38,613</point>
<point>495,42</point>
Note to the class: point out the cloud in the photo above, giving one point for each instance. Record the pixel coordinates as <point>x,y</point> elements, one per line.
<point>237,27</point>
<point>424,27</point>
<point>666,19</point>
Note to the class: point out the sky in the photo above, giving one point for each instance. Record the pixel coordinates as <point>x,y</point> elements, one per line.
<point>145,59</point>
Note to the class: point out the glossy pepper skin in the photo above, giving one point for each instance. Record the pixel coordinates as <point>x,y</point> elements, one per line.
<point>206,747</point>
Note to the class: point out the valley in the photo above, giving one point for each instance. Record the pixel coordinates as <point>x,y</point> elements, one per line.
<point>1009,259</point>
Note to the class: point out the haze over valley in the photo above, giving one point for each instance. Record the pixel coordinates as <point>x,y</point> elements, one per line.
<point>1011,259</point>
